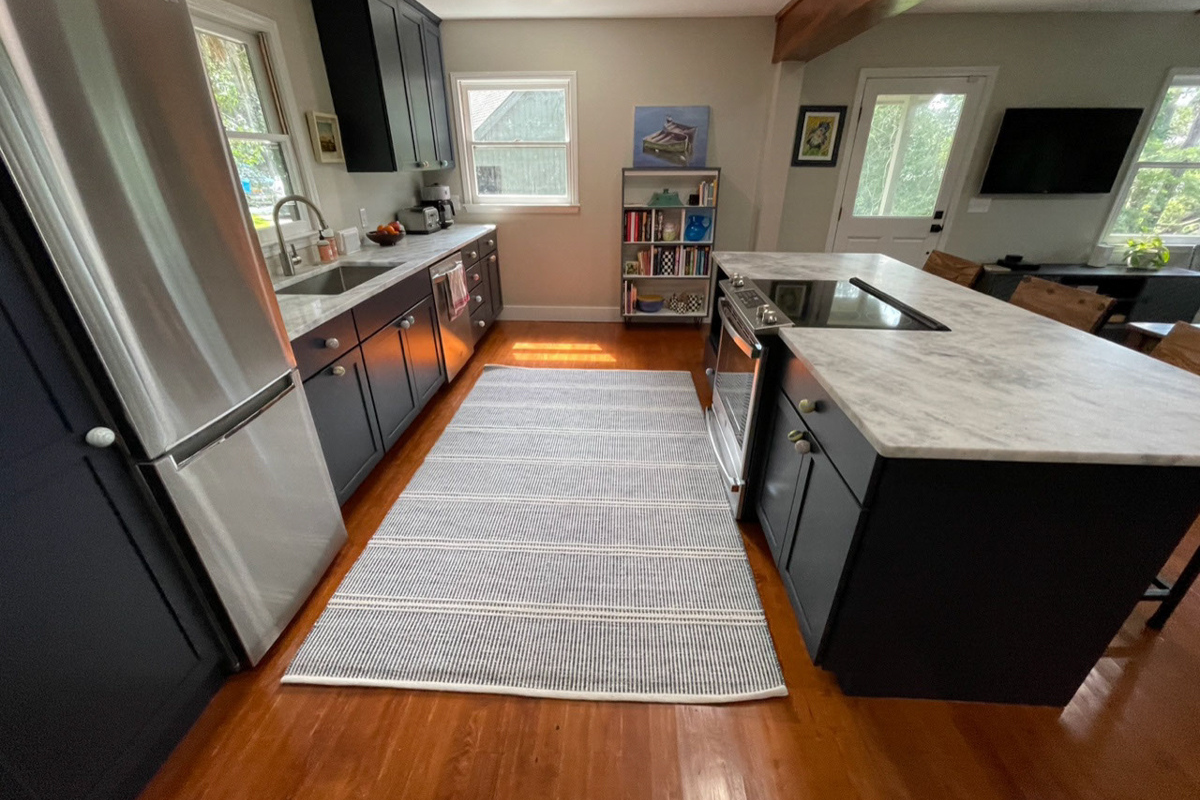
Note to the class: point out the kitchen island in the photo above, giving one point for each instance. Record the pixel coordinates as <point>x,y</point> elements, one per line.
<point>976,511</point>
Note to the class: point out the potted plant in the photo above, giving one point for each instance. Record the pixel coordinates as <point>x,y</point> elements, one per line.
<point>1146,253</point>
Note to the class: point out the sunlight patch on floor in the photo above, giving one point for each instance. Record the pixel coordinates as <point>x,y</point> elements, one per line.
<point>579,352</point>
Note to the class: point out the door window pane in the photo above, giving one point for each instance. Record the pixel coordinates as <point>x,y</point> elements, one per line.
<point>264,176</point>
<point>524,171</point>
<point>231,78</point>
<point>908,147</point>
<point>526,115</point>
<point>1161,201</point>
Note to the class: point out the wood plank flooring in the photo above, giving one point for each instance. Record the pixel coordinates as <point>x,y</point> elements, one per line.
<point>1132,731</point>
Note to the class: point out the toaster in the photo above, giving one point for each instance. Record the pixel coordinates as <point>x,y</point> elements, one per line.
<point>420,219</point>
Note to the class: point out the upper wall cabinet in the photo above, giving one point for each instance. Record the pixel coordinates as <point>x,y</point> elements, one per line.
<point>384,62</point>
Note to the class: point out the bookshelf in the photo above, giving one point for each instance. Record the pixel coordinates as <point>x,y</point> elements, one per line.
<point>672,252</point>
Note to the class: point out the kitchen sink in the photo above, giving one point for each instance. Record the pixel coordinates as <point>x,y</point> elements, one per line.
<point>338,280</point>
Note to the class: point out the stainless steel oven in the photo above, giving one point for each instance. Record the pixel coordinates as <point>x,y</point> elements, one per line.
<point>736,385</point>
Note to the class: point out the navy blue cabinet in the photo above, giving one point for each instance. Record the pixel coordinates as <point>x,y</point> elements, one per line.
<point>384,63</point>
<point>391,384</point>
<point>107,653</point>
<point>424,351</point>
<point>782,472</point>
<point>344,414</point>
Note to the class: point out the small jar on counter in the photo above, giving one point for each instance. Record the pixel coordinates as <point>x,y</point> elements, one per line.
<point>327,247</point>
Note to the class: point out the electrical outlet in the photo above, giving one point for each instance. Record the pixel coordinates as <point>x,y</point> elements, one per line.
<point>362,219</point>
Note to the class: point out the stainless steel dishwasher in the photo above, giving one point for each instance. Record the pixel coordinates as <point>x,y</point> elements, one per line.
<point>455,331</point>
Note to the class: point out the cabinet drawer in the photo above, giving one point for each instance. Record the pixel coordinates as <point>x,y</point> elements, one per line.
<point>487,244</point>
<point>482,318</point>
<point>479,296</point>
<point>841,441</point>
<point>372,314</point>
<point>324,344</point>
<point>475,279</point>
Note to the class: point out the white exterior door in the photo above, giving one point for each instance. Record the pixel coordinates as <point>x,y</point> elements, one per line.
<point>907,164</point>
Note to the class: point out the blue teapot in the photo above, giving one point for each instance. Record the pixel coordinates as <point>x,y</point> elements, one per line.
<point>697,228</point>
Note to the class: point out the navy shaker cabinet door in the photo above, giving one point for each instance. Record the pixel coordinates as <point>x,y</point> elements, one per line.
<point>391,386</point>
<point>342,409</point>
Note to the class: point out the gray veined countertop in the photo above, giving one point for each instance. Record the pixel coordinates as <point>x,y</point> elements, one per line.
<point>303,312</point>
<point>1004,384</point>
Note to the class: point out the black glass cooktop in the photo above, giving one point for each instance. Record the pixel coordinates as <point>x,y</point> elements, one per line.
<point>841,304</point>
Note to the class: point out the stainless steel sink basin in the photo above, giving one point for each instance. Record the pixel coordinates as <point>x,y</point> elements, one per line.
<point>338,280</point>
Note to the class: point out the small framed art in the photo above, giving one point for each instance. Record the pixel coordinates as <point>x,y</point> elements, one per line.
<point>326,137</point>
<point>818,136</point>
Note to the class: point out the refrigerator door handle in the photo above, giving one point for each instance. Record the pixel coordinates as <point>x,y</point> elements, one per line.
<point>221,429</point>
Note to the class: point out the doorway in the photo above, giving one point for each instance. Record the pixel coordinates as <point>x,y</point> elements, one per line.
<point>914,137</point>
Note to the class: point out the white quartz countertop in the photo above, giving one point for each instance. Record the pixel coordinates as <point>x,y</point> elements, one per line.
<point>303,312</point>
<point>1004,384</point>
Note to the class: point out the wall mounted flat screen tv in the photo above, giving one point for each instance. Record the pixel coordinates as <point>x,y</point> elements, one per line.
<point>1060,150</point>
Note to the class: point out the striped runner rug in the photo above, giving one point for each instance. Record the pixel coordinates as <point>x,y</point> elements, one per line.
<point>567,536</point>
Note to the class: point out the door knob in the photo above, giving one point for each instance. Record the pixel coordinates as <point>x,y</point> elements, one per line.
<point>100,437</point>
<point>339,370</point>
<point>332,343</point>
<point>806,406</point>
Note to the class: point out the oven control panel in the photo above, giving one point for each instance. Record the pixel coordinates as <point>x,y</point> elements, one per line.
<point>759,313</point>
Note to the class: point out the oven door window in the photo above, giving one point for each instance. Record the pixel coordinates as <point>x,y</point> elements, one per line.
<point>734,384</point>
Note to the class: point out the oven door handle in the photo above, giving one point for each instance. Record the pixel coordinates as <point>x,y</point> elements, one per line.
<point>752,347</point>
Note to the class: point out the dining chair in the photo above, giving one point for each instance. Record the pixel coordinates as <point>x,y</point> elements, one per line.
<point>1086,311</point>
<point>1179,348</point>
<point>952,268</point>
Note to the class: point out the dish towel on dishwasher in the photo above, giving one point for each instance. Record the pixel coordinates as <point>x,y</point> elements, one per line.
<point>459,299</point>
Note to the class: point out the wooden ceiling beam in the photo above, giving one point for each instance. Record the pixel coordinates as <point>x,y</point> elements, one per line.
<point>804,29</point>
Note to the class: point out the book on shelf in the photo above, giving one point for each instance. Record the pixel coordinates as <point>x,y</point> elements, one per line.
<point>708,192</point>
<point>678,261</point>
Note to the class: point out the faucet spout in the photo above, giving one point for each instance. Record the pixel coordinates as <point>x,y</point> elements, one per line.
<point>289,263</point>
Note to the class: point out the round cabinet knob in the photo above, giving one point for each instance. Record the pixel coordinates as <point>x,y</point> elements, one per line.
<point>473,255</point>
<point>803,447</point>
<point>332,343</point>
<point>480,324</point>
<point>100,437</point>
<point>806,406</point>
<point>477,277</point>
<point>339,371</point>
<point>492,258</point>
<point>404,323</point>
<point>708,372</point>
<point>492,243</point>
<point>412,320</point>
<point>424,163</point>
<point>443,163</point>
<point>478,298</point>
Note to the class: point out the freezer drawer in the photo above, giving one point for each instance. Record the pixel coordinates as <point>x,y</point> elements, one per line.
<point>259,508</point>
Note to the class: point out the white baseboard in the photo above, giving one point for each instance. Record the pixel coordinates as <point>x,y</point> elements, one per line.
<point>562,313</point>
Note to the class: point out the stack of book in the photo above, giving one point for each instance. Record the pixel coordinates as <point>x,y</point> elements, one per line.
<point>680,261</point>
<point>629,298</point>
<point>642,226</point>
<point>708,192</point>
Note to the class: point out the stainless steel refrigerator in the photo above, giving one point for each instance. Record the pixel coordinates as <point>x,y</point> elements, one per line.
<point>110,133</point>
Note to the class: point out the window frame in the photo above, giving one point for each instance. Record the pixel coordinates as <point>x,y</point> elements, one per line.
<point>1107,235</point>
<point>462,82</point>
<point>270,69</point>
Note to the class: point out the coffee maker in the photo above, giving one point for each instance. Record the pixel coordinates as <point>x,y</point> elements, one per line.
<point>438,196</point>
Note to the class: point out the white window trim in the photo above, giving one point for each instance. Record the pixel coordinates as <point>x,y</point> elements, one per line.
<point>1131,169</point>
<point>515,203</point>
<point>226,13</point>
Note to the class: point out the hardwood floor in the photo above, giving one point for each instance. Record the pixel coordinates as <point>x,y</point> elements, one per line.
<point>1132,731</point>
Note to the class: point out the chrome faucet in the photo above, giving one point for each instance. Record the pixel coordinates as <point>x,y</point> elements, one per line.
<point>289,263</point>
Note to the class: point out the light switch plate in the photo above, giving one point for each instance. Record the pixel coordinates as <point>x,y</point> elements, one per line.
<point>362,219</point>
<point>979,205</point>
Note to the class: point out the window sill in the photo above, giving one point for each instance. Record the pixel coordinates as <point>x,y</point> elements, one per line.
<point>486,208</point>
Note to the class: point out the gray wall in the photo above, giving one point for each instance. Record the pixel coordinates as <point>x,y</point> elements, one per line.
<point>1044,60</point>
<point>568,265</point>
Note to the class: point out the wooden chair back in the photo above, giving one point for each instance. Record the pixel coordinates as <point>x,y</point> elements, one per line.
<point>952,268</point>
<point>1180,347</point>
<point>1086,311</point>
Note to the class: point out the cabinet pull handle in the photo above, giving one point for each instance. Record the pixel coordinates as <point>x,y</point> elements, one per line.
<point>332,343</point>
<point>338,371</point>
<point>480,324</point>
<point>100,437</point>
<point>806,406</point>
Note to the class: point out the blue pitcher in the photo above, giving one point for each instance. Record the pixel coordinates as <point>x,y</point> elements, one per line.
<point>697,228</point>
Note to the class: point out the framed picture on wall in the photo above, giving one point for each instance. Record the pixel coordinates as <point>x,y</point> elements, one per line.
<point>818,136</point>
<point>326,137</point>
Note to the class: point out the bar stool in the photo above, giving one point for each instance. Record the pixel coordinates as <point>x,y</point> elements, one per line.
<point>952,268</point>
<point>1086,311</point>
